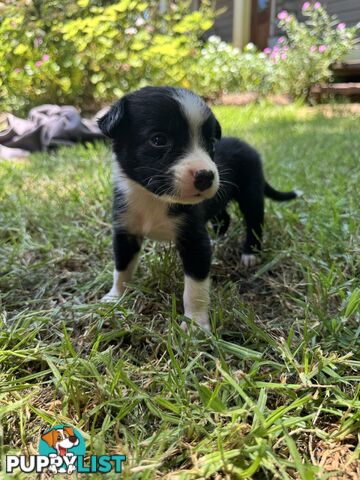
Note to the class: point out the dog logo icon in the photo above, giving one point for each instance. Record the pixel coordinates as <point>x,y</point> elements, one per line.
<point>63,444</point>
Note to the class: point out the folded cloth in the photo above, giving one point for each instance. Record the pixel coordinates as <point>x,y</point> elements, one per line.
<point>47,126</point>
<point>9,153</point>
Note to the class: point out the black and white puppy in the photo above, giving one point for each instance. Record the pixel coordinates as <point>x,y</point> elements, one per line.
<point>172,174</point>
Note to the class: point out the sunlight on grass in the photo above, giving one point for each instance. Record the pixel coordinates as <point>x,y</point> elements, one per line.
<point>270,394</point>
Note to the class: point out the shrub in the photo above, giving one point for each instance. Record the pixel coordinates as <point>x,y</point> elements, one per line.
<point>89,51</point>
<point>302,58</point>
<point>224,68</point>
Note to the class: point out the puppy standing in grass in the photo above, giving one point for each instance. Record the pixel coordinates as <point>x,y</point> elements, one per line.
<point>173,173</point>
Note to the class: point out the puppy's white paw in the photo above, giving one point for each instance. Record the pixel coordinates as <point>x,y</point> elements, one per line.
<point>249,260</point>
<point>201,318</point>
<point>184,327</point>
<point>206,327</point>
<point>111,297</point>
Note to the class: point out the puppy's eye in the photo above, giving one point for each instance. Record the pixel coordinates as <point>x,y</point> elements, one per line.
<point>159,140</point>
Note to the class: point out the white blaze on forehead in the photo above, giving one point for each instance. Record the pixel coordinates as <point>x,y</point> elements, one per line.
<point>194,108</point>
<point>196,157</point>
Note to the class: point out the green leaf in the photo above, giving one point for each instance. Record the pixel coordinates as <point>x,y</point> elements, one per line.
<point>210,399</point>
<point>353,304</point>
<point>20,49</point>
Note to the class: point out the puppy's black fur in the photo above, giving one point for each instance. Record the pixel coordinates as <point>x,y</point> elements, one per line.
<point>242,179</point>
<point>162,139</point>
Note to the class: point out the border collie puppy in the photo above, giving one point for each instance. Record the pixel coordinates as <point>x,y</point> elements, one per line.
<point>172,174</point>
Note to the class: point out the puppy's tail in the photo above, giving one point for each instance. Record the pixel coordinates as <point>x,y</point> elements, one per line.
<point>270,192</point>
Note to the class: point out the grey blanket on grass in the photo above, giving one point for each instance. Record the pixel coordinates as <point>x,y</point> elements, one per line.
<point>46,127</point>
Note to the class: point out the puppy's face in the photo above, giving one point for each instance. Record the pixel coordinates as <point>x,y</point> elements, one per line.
<point>163,139</point>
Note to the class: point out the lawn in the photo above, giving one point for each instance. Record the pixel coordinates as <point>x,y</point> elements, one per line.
<point>273,392</point>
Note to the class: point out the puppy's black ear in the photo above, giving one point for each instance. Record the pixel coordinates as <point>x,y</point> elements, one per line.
<point>110,123</point>
<point>217,130</point>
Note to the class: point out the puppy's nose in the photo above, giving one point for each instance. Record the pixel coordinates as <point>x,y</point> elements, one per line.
<point>73,438</point>
<point>203,179</point>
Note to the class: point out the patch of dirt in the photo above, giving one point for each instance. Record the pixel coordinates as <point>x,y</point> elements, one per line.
<point>250,97</point>
<point>337,457</point>
<point>330,111</point>
<point>237,98</point>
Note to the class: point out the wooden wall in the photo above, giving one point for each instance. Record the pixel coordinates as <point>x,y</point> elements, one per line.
<point>223,26</point>
<point>347,11</point>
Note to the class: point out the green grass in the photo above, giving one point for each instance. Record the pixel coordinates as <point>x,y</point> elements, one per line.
<point>272,393</point>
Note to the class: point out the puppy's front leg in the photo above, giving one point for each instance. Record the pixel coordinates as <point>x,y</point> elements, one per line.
<point>126,250</point>
<point>197,300</point>
<point>195,251</point>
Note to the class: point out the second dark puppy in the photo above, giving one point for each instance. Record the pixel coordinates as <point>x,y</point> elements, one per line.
<point>172,174</point>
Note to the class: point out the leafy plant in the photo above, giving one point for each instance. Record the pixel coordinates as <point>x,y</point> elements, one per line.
<point>91,51</point>
<point>302,58</point>
<point>222,67</point>
<point>88,52</point>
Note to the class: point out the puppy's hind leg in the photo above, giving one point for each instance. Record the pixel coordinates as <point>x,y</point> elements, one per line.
<point>251,204</point>
<point>126,251</point>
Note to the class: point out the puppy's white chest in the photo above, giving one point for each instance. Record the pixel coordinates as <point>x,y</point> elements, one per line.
<point>143,213</point>
<point>149,218</point>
